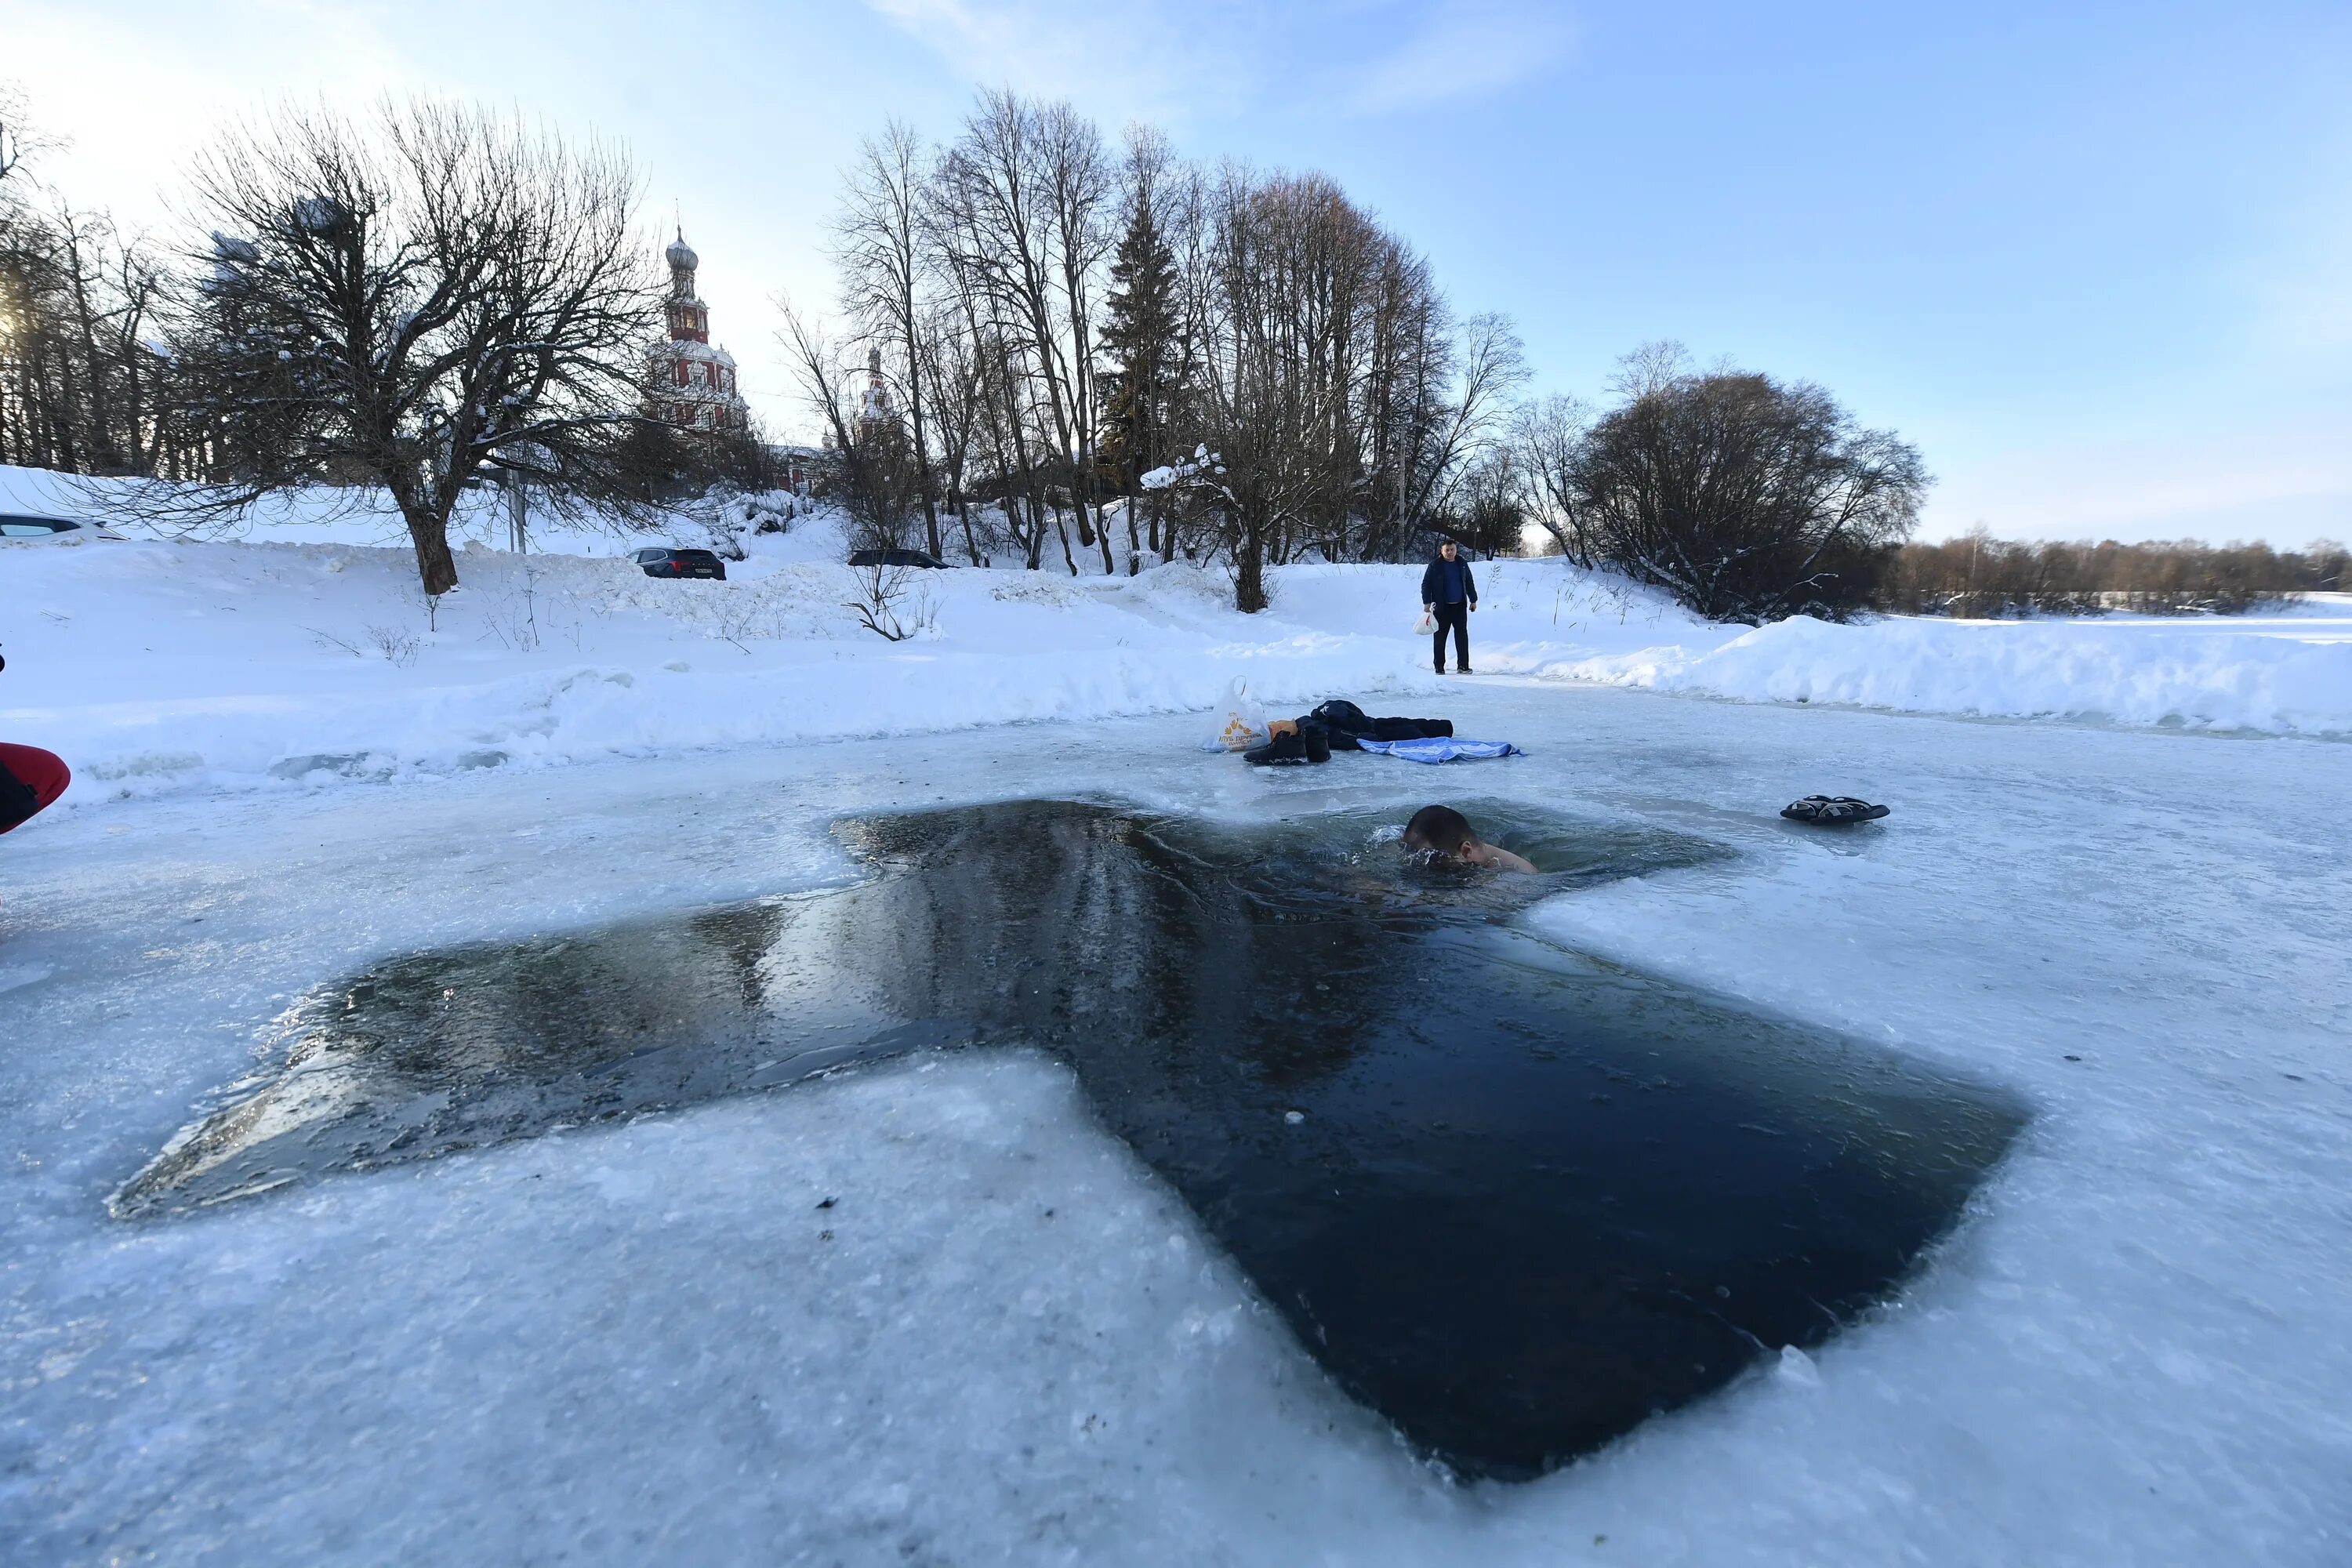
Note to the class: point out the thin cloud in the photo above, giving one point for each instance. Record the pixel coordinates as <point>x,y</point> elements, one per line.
<point>1148,57</point>
<point>1176,62</point>
<point>1466,49</point>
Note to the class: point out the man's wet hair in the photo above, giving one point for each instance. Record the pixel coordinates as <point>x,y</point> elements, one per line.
<point>1439,827</point>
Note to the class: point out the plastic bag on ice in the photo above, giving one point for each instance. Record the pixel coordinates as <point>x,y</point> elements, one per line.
<point>1241,724</point>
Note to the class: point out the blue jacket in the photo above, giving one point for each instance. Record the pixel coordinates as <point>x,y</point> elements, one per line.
<point>1448,583</point>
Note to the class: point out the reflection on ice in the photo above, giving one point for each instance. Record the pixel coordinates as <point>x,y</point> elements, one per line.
<point>1514,1199</point>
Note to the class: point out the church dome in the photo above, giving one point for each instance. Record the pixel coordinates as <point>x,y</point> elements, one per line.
<point>681,253</point>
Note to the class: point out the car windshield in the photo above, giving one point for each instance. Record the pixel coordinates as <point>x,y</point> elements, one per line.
<point>31,527</point>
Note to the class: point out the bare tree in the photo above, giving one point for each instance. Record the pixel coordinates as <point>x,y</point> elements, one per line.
<point>1748,499</point>
<point>84,385</point>
<point>871,470</point>
<point>419,300</point>
<point>878,248</point>
<point>957,379</point>
<point>1020,194</point>
<point>1458,430</point>
<point>1547,439</point>
<point>1070,325</point>
<point>18,136</point>
<point>1078,183</point>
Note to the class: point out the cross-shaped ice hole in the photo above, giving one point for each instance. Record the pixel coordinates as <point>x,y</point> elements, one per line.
<point>1515,1199</point>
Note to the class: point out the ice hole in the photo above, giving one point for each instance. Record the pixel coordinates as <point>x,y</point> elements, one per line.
<point>1515,1199</point>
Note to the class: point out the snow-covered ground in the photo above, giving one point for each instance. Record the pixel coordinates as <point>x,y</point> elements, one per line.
<point>642,1343</point>
<point>300,651</point>
<point>635,1343</point>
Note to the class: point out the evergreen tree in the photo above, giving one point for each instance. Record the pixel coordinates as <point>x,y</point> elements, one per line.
<point>1140,390</point>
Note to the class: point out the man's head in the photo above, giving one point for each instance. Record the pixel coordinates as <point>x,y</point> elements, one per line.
<point>1441,828</point>
<point>1446,550</point>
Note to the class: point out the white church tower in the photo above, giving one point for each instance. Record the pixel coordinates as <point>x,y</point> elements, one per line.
<point>693,383</point>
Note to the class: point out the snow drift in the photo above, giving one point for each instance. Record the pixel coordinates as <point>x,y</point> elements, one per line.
<point>2264,673</point>
<point>254,660</point>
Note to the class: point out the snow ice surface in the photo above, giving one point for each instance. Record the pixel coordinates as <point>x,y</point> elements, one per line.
<point>1005,1342</point>
<point>649,1342</point>
<point>1517,1226</point>
<point>300,653</point>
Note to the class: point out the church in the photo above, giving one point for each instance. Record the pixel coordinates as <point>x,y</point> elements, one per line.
<point>692,384</point>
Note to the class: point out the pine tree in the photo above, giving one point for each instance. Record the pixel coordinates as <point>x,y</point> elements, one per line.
<point>1140,390</point>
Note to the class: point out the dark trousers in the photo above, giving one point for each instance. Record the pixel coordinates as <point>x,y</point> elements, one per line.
<point>1456,615</point>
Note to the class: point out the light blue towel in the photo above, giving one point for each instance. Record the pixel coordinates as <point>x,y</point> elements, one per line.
<point>1442,749</point>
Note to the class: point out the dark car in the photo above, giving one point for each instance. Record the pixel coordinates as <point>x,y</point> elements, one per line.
<point>897,558</point>
<point>668,562</point>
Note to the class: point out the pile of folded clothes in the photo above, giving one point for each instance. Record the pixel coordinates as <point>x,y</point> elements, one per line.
<point>1340,725</point>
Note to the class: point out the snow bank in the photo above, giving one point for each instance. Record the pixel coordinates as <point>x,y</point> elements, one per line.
<point>2284,673</point>
<point>300,649</point>
<point>150,665</point>
<point>2287,669</point>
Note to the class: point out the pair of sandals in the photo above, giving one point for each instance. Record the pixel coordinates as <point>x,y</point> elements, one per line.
<point>1289,743</point>
<point>1831,810</point>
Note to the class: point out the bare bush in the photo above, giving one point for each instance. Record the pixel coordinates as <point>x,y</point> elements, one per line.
<point>886,607</point>
<point>397,646</point>
<point>1747,498</point>
<point>523,616</point>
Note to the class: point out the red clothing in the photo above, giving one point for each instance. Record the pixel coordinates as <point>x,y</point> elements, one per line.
<point>27,770</point>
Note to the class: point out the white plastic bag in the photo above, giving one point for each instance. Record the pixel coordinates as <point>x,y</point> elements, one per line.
<point>1242,723</point>
<point>1426,627</point>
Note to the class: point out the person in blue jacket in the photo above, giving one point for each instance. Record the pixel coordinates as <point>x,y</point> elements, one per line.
<point>1449,592</point>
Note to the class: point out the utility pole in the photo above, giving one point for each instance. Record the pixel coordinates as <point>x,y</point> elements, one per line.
<point>518,510</point>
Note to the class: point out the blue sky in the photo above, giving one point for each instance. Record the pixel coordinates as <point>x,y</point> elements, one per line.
<point>2096,260</point>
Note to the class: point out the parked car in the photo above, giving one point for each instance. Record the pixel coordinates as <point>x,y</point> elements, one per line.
<point>666,562</point>
<point>897,558</point>
<point>16,525</point>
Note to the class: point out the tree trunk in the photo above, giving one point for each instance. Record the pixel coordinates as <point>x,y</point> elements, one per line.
<point>922,443</point>
<point>963,515</point>
<point>1249,570</point>
<point>436,568</point>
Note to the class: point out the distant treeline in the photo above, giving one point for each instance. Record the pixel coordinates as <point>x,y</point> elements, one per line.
<point>1981,577</point>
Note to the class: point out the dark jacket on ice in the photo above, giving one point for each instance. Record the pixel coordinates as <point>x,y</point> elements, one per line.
<point>1448,583</point>
<point>1345,725</point>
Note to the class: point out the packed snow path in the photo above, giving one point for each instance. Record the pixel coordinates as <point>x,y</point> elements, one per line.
<point>647,1342</point>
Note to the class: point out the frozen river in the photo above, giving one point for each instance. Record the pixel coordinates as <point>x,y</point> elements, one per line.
<point>1006,1338</point>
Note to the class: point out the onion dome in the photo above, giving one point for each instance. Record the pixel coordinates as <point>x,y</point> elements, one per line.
<point>681,253</point>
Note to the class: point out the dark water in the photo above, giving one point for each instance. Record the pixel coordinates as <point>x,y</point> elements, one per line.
<point>1513,1199</point>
